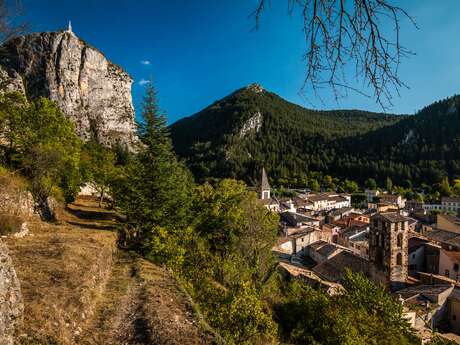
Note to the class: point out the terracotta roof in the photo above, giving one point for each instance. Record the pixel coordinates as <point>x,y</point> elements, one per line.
<point>452,219</point>
<point>334,268</point>
<point>388,196</point>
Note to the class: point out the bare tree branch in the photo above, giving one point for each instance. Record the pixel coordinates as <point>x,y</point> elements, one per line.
<point>342,32</point>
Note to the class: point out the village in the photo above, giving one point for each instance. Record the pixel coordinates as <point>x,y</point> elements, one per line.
<point>400,244</point>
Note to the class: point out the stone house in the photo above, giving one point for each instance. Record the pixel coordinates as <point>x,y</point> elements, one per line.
<point>392,199</point>
<point>296,242</point>
<point>449,264</point>
<point>451,204</point>
<point>371,194</point>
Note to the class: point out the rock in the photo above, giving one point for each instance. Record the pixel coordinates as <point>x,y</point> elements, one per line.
<point>23,231</point>
<point>11,303</point>
<point>90,90</point>
<point>17,202</point>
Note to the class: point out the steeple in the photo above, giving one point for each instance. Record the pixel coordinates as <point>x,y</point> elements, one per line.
<point>264,186</point>
<point>69,28</point>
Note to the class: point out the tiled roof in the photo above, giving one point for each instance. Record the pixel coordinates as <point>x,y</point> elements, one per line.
<point>318,244</point>
<point>424,290</point>
<point>388,196</point>
<point>340,211</point>
<point>452,219</point>
<point>334,268</point>
<point>328,249</point>
<point>392,217</point>
<point>447,199</point>
<point>445,237</point>
<point>293,218</point>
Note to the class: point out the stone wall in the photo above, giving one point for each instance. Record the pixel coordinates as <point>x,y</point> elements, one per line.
<point>11,304</point>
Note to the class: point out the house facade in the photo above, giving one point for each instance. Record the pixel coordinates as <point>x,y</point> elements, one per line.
<point>450,204</point>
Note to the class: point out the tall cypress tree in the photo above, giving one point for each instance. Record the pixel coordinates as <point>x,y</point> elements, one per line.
<point>156,192</point>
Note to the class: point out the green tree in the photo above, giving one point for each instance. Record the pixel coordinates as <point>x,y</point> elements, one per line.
<point>362,314</point>
<point>43,145</point>
<point>444,187</point>
<point>244,319</point>
<point>155,192</point>
<point>314,185</point>
<point>370,184</point>
<point>351,186</point>
<point>389,184</point>
<point>99,165</point>
<point>230,262</point>
<point>456,187</point>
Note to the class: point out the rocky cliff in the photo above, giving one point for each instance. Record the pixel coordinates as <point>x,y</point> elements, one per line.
<point>11,304</point>
<point>93,92</point>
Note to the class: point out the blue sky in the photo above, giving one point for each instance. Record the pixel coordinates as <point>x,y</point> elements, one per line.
<point>201,50</point>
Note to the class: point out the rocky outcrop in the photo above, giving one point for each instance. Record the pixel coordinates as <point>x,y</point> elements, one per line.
<point>93,92</point>
<point>253,124</point>
<point>11,304</point>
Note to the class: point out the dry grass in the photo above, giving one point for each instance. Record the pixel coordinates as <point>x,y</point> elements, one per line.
<point>78,289</point>
<point>62,270</point>
<point>167,310</point>
<point>10,223</point>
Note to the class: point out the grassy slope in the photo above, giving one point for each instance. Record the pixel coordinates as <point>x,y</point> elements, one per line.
<point>79,289</point>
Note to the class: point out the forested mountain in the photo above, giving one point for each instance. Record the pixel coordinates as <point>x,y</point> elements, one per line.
<point>252,127</point>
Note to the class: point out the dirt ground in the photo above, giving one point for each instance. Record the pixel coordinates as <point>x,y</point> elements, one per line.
<point>80,289</point>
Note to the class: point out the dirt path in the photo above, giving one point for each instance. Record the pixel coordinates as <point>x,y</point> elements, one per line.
<point>141,303</point>
<point>119,317</point>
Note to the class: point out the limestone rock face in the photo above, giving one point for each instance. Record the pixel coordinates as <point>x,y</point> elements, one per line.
<point>93,92</point>
<point>11,304</point>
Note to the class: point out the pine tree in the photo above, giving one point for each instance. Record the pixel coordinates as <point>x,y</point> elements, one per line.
<point>156,191</point>
<point>389,185</point>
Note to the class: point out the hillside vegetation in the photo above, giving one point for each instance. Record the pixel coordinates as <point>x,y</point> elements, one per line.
<point>291,142</point>
<point>78,288</point>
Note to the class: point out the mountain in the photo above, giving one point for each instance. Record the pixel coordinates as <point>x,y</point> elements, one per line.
<point>253,127</point>
<point>92,91</point>
<point>422,148</point>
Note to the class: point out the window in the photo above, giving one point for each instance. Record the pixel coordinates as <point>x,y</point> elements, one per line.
<point>399,240</point>
<point>456,267</point>
<point>454,317</point>
<point>399,259</point>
